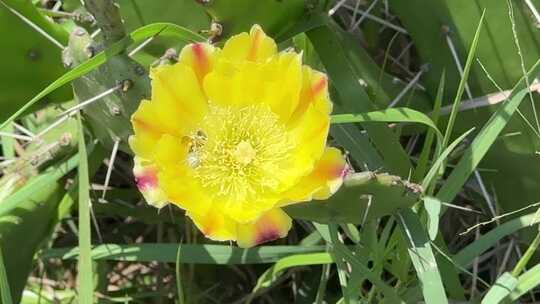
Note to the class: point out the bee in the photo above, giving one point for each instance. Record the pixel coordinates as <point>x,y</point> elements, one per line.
<point>194,142</point>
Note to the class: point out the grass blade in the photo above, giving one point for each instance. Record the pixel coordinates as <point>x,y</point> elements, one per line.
<point>527,281</point>
<point>389,115</point>
<point>429,178</point>
<point>485,138</point>
<point>179,287</point>
<point>190,253</point>
<point>4,284</point>
<point>422,257</point>
<point>467,254</point>
<point>502,287</point>
<point>85,270</point>
<point>463,82</point>
<point>423,160</point>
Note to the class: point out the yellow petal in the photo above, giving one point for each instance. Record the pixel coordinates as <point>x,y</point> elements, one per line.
<point>177,97</point>
<point>255,46</point>
<point>322,182</point>
<point>314,91</point>
<point>177,178</point>
<point>147,181</point>
<point>215,225</point>
<point>184,190</point>
<point>276,83</point>
<point>310,133</point>
<point>272,225</point>
<point>248,211</point>
<point>283,75</point>
<point>234,84</point>
<point>200,57</point>
<point>148,130</point>
<point>170,152</point>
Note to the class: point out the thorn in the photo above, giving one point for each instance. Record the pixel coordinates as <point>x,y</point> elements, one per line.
<point>109,169</point>
<point>141,46</point>
<point>456,58</point>
<point>336,7</point>
<point>16,136</point>
<point>378,20</point>
<point>413,82</point>
<point>83,104</point>
<point>23,130</point>
<point>365,14</point>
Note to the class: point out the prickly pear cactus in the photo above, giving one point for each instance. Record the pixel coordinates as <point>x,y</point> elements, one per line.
<point>109,116</point>
<point>126,80</point>
<point>363,197</point>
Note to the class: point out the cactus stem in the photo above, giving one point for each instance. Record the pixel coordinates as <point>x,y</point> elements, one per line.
<point>108,19</point>
<point>52,126</point>
<point>83,104</point>
<point>110,166</point>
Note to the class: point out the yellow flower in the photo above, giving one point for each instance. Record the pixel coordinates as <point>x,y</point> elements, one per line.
<point>231,135</point>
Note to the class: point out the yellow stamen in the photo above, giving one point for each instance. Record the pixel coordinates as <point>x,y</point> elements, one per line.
<point>244,153</point>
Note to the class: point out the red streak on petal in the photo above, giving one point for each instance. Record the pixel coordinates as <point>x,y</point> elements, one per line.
<point>330,171</point>
<point>201,60</point>
<point>254,45</point>
<point>147,127</point>
<point>318,87</point>
<point>147,180</point>
<point>267,236</point>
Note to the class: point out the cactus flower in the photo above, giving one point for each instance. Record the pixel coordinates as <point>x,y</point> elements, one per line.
<point>232,135</point>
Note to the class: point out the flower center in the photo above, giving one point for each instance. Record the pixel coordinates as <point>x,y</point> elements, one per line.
<point>238,152</point>
<point>244,153</point>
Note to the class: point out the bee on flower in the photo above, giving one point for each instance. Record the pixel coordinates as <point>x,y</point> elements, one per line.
<point>232,135</point>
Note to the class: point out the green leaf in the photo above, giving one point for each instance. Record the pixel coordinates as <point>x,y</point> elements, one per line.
<point>463,82</point>
<point>434,170</point>
<point>389,115</point>
<point>433,208</point>
<point>422,257</point>
<point>525,282</point>
<point>189,254</point>
<point>5,291</point>
<point>85,271</point>
<point>504,285</point>
<point>423,160</point>
<point>363,197</point>
<point>273,273</point>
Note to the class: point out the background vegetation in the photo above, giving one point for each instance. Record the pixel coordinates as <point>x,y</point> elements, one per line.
<point>435,103</point>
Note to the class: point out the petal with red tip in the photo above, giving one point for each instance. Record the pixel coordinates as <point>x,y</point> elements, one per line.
<point>272,225</point>
<point>214,225</point>
<point>146,177</point>
<point>323,181</point>
<point>255,46</point>
<point>199,57</point>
